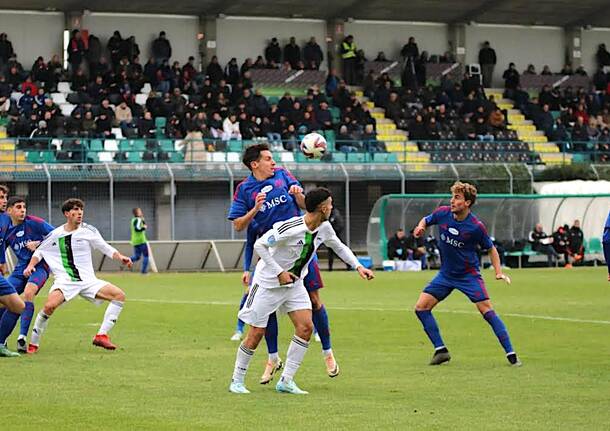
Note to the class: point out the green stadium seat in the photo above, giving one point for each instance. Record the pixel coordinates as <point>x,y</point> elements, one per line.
<point>385,158</point>
<point>96,145</point>
<point>176,157</point>
<point>166,145</point>
<point>594,246</point>
<point>134,157</point>
<point>273,100</point>
<point>330,139</point>
<point>160,122</point>
<point>41,157</point>
<point>356,157</point>
<point>124,145</point>
<point>234,145</point>
<point>339,157</point>
<point>138,144</point>
<point>300,158</point>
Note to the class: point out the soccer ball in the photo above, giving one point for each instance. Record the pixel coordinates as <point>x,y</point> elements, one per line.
<point>313,146</point>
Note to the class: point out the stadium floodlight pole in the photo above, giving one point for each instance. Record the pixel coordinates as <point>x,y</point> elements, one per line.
<point>111,195</point>
<point>347,209</point>
<point>402,178</point>
<point>510,177</point>
<point>49,190</point>
<point>172,200</point>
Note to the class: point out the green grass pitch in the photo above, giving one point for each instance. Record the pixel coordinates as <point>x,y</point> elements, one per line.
<point>175,360</point>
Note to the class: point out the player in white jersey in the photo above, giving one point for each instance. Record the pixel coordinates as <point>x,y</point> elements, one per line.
<point>285,251</point>
<point>67,251</point>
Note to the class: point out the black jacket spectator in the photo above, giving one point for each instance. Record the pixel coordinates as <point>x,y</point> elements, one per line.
<point>487,55</point>
<point>273,52</point>
<point>511,77</point>
<point>410,49</point>
<point>312,54</point>
<point>94,50</point>
<point>6,49</point>
<point>161,48</point>
<point>398,245</point>
<point>292,53</point>
<point>576,238</point>
<point>214,70</point>
<point>602,56</point>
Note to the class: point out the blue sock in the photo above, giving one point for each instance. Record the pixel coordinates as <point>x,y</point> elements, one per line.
<point>320,321</point>
<point>26,318</point>
<point>271,334</point>
<point>240,323</point>
<point>144,264</point>
<point>499,329</point>
<point>431,327</point>
<point>7,324</point>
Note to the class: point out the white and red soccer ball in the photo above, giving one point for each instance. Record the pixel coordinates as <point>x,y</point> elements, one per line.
<point>313,145</point>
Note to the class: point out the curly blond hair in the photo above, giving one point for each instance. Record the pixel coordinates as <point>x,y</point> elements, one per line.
<point>465,189</point>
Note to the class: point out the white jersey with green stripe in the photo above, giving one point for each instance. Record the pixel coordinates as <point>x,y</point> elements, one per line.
<point>68,254</point>
<point>290,245</point>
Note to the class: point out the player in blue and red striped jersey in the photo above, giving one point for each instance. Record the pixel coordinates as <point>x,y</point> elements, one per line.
<point>606,243</point>
<point>9,298</point>
<point>23,236</point>
<point>460,232</point>
<point>267,196</point>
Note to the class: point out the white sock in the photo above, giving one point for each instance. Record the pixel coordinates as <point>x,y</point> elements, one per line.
<point>21,337</point>
<point>242,361</point>
<point>274,357</point>
<point>327,352</point>
<point>110,316</point>
<point>39,326</point>
<point>294,357</point>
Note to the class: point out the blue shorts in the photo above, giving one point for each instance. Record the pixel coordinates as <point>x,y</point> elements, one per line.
<point>39,278</point>
<point>471,285</point>
<point>140,250</point>
<point>313,280</point>
<point>5,287</point>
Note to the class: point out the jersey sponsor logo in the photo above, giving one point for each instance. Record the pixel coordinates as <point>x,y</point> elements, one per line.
<point>453,231</point>
<point>20,234</point>
<point>19,245</point>
<point>272,203</point>
<point>453,242</point>
<point>267,188</point>
<point>271,241</point>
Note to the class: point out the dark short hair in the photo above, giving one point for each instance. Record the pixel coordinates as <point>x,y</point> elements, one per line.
<point>253,154</point>
<point>12,201</point>
<point>315,197</point>
<point>72,203</point>
<point>4,188</point>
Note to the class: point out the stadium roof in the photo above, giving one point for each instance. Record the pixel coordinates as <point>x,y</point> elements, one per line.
<point>541,12</point>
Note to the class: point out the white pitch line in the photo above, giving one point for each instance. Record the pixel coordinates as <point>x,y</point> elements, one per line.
<point>525,316</point>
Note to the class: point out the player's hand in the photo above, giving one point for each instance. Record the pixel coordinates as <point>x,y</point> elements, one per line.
<point>365,273</point>
<point>504,277</point>
<point>295,190</point>
<point>286,277</point>
<point>32,245</point>
<point>418,231</point>
<point>28,270</point>
<point>260,200</point>
<point>126,261</point>
<point>245,278</point>
<point>3,268</point>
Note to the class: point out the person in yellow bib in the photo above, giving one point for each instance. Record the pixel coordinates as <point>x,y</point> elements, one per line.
<point>138,239</point>
<point>348,54</point>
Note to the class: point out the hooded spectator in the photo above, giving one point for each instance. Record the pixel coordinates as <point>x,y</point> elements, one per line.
<point>161,48</point>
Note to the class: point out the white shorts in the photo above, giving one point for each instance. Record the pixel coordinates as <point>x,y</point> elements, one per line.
<point>262,302</point>
<point>86,289</point>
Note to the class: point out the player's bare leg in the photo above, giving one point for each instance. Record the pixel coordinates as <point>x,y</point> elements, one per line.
<point>488,313</point>
<point>54,300</point>
<point>423,311</point>
<point>116,297</point>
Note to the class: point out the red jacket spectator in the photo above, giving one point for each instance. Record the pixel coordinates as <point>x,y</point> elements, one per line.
<point>29,84</point>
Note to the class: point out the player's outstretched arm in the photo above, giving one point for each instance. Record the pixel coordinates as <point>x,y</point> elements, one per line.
<point>347,255</point>
<point>31,266</point>
<point>125,260</point>
<point>420,229</point>
<point>495,262</point>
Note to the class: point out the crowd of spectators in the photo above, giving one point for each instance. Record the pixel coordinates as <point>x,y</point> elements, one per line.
<point>219,104</point>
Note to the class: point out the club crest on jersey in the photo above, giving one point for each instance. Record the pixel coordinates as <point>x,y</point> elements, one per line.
<point>271,241</point>
<point>267,188</point>
<point>453,231</point>
<point>20,233</point>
